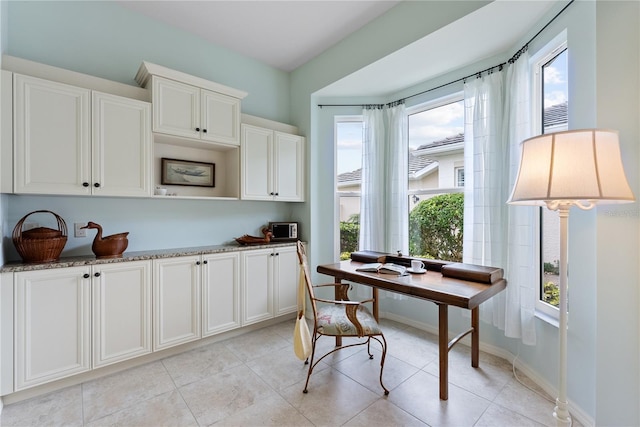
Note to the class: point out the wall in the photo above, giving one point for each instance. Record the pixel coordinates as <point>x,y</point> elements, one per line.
<point>616,242</point>
<point>105,40</point>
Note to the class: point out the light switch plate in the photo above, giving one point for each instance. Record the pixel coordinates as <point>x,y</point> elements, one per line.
<point>78,230</point>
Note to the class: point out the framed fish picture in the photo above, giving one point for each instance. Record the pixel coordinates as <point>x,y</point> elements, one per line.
<point>186,172</point>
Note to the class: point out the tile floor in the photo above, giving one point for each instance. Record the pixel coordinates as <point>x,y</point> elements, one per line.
<point>256,380</point>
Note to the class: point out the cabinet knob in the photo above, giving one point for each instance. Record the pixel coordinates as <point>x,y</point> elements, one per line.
<point>205,262</point>
<point>85,184</point>
<point>204,131</point>
<point>197,129</point>
<point>277,253</point>
<point>97,184</point>
<point>277,194</point>
<point>96,274</point>
<point>86,275</point>
<point>197,262</point>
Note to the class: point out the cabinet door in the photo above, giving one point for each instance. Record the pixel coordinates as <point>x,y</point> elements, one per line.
<point>256,162</point>
<point>176,108</point>
<point>220,118</point>
<point>257,289</point>
<point>121,311</point>
<point>121,146</point>
<point>52,325</point>
<point>220,292</point>
<point>288,167</point>
<point>286,276</point>
<point>176,301</point>
<point>51,137</point>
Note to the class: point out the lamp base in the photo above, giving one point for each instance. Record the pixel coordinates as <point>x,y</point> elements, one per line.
<point>561,414</point>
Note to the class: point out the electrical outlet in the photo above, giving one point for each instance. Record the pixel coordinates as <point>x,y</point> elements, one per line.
<point>79,231</point>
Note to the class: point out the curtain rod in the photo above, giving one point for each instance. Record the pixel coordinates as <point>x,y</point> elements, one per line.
<point>478,74</point>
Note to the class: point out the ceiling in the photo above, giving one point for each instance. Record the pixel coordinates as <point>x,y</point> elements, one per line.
<point>287,34</point>
<point>283,34</point>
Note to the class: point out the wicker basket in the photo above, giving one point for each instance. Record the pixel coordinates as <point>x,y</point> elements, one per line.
<point>40,244</point>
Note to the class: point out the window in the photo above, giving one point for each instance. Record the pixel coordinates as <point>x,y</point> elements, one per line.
<point>460,176</point>
<point>436,175</point>
<point>348,137</point>
<point>551,106</point>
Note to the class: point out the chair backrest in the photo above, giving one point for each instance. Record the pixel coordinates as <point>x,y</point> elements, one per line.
<point>302,257</point>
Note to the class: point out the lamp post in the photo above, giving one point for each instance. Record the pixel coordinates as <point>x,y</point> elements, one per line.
<point>560,170</point>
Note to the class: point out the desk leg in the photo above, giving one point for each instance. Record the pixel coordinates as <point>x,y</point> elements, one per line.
<point>374,295</point>
<point>336,297</point>
<point>443,341</point>
<point>475,337</point>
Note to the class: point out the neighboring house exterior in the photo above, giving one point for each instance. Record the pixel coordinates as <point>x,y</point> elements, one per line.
<point>431,166</point>
<point>438,165</point>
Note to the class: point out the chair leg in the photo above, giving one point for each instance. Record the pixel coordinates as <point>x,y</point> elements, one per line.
<point>310,363</point>
<point>383,344</point>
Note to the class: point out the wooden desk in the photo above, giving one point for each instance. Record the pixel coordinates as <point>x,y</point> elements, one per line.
<point>431,286</point>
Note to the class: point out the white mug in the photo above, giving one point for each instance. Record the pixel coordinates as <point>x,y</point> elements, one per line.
<point>417,265</point>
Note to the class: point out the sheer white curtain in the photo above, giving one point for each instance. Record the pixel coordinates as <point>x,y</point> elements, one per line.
<point>485,183</point>
<point>497,119</point>
<point>372,199</point>
<point>522,269</point>
<point>397,205</point>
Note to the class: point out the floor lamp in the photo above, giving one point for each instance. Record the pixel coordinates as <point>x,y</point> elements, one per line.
<point>559,170</point>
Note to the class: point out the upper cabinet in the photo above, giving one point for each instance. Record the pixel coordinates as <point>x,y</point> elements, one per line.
<point>71,140</point>
<point>187,111</point>
<point>272,165</point>
<point>194,120</point>
<point>186,106</point>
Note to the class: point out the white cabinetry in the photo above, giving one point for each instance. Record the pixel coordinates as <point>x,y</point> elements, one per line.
<point>176,301</point>
<point>121,148</point>
<point>121,311</point>
<point>220,292</point>
<point>187,111</point>
<point>61,314</point>
<point>271,164</point>
<point>270,278</point>
<point>194,119</point>
<point>61,146</point>
<point>52,325</point>
<point>286,276</point>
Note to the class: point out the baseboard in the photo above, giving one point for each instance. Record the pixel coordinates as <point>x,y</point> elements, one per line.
<point>577,413</point>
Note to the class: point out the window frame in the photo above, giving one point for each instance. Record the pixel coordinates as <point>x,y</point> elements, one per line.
<point>348,118</point>
<point>537,62</point>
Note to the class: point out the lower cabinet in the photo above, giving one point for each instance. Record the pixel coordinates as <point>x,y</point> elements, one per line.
<point>70,320</point>
<point>52,325</point>
<point>176,301</point>
<point>220,293</point>
<point>269,283</point>
<point>60,312</point>
<point>121,311</point>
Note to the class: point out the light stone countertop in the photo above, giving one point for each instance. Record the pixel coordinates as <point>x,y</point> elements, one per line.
<point>17,266</point>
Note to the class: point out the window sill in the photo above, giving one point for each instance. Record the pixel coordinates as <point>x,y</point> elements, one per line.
<point>546,318</point>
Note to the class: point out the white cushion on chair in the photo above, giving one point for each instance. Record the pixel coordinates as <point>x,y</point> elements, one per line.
<point>332,320</point>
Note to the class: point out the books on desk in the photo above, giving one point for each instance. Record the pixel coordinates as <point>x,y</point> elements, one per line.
<point>386,268</point>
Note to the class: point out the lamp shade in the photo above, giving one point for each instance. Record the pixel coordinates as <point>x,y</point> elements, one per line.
<point>572,166</point>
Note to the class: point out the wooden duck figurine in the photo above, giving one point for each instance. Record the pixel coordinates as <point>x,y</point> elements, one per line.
<point>253,240</point>
<point>109,246</point>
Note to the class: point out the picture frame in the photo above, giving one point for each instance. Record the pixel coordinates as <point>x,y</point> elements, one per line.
<point>187,172</point>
